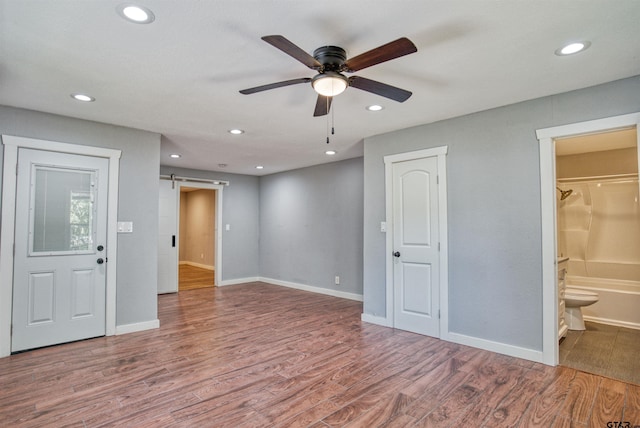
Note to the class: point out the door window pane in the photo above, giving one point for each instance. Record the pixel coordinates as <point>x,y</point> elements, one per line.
<point>62,210</point>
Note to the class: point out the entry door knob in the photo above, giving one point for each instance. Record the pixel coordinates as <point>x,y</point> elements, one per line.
<point>396,254</point>
<point>100,261</point>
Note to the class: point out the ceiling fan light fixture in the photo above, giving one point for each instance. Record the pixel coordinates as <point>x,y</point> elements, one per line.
<point>329,83</point>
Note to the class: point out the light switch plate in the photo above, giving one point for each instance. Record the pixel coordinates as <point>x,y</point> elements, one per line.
<point>125,227</point>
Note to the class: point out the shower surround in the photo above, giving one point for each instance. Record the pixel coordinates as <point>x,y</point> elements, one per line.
<point>599,230</point>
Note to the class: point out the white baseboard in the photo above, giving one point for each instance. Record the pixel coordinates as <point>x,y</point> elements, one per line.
<point>313,289</point>
<point>207,267</point>
<point>607,321</point>
<point>374,319</point>
<point>500,348</point>
<point>139,326</point>
<point>238,281</point>
<point>487,345</point>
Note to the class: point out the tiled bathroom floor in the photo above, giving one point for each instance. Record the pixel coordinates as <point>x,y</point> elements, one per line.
<point>605,350</point>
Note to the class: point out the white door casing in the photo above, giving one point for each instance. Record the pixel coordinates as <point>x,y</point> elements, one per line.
<point>417,274</point>
<point>7,227</point>
<point>167,238</point>
<point>59,279</point>
<point>546,138</point>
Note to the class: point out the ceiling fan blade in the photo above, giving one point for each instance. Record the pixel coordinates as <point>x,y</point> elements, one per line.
<point>290,49</point>
<point>275,85</point>
<point>391,50</point>
<point>379,88</point>
<point>323,105</point>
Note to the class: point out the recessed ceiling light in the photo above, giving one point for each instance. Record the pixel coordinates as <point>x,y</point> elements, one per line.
<point>83,97</point>
<point>330,152</point>
<point>375,107</point>
<point>135,13</point>
<point>222,165</point>
<point>236,131</point>
<point>573,48</point>
<point>259,167</point>
<point>175,156</point>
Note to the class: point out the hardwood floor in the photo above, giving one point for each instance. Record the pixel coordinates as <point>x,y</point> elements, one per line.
<point>603,349</point>
<point>192,277</point>
<point>259,355</point>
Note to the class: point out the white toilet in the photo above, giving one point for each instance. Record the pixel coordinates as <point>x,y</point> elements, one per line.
<point>575,299</point>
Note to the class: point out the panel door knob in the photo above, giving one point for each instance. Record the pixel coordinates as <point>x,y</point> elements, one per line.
<point>100,261</point>
<point>396,254</point>
<point>100,248</point>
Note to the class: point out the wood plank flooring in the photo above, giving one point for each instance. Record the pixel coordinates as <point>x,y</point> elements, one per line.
<point>192,277</point>
<point>259,355</point>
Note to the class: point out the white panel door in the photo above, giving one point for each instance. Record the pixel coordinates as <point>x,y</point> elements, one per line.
<point>60,235</point>
<point>415,241</point>
<point>167,245</point>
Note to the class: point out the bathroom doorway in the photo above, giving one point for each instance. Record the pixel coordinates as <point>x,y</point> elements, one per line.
<point>549,196</point>
<point>597,229</point>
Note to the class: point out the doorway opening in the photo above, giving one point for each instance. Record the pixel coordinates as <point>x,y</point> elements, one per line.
<point>197,238</point>
<point>553,189</point>
<point>598,222</point>
<point>189,232</point>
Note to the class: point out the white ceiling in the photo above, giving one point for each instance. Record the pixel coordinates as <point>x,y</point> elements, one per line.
<point>180,75</point>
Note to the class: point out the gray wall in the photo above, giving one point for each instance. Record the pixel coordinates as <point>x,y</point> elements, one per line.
<point>311,225</point>
<point>138,201</point>
<point>241,210</point>
<point>494,226</point>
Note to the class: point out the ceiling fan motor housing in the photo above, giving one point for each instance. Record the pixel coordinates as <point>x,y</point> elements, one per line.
<point>332,58</point>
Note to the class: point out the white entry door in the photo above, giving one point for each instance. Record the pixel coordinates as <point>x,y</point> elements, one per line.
<point>60,237</point>
<point>416,276</point>
<point>167,235</point>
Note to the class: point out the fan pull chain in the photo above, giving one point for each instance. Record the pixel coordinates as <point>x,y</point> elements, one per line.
<point>333,110</point>
<point>327,101</point>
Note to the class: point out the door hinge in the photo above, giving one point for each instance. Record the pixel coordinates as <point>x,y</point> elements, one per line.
<point>11,332</point>
<point>438,246</point>
<point>438,313</point>
<point>437,179</point>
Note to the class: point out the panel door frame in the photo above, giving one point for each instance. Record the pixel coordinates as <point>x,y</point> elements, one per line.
<point>7,229</point>
<point>440,153</point>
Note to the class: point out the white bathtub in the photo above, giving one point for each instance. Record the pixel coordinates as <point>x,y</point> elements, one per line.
<point>619,302</point>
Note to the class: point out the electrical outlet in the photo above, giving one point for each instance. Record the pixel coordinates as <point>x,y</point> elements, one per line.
<point>337,280</point>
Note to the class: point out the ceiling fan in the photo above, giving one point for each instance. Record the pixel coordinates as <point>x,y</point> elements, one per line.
<point>331,61</point>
